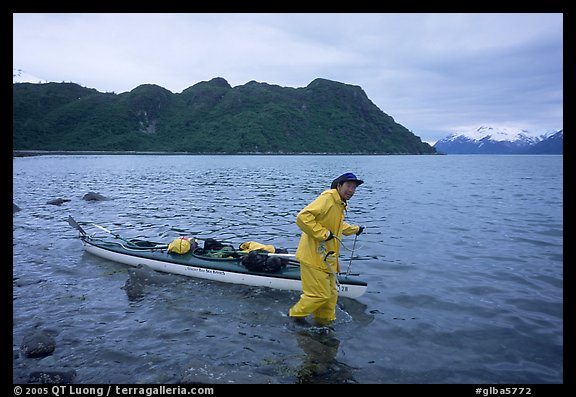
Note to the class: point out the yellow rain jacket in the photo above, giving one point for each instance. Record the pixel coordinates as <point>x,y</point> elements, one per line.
<point>323,215</point>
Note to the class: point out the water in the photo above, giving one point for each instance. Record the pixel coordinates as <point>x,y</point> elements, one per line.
<point>463,255</point>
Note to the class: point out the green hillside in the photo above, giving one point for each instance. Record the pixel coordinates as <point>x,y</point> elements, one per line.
<point>209,117</point>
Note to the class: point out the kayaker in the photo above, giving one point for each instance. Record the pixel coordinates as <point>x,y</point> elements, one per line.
<point>322,224</point>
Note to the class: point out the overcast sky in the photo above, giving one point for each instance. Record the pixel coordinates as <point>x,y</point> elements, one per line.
<point>433,73</point>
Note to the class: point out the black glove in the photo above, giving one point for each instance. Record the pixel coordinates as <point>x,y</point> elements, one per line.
<point>359,232</point>
<point>330,237</point>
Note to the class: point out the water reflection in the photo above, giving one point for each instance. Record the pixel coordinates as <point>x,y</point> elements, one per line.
<point>420,212</point>
<point>320,366</point>
<point>320,346</point>
<point>357,310</point>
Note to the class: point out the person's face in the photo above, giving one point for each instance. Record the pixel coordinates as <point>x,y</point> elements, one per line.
<point>347,190</point>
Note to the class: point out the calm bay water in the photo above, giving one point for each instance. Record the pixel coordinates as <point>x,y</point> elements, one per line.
<point>463,256</point>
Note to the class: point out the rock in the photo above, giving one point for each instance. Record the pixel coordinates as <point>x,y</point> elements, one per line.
<point>140,277</point>
<point>38,344</point>
<point>58,201</point>
<point>52,377</point>
<point>144,275</point>
<point>134,289</point>
<point>18,282</point>
<point>92,196</point>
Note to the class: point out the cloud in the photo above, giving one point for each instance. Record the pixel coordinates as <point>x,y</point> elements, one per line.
<point>431,72</point>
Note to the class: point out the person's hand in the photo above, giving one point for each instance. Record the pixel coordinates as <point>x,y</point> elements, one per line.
<point>330,237</point>
<point>359,232</point>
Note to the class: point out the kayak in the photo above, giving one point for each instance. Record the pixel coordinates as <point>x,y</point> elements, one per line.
<point>198,263</point>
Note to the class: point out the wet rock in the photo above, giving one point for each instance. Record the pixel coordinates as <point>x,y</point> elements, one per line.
<point>134,289</point>
<point>39,343</point>
<point>52,377</point>
<point>140,277</point>
<point>148,276</point>
<point>15,208</point>
<point>19,282</point>
<point>92,196</point>
<point>58,201</point>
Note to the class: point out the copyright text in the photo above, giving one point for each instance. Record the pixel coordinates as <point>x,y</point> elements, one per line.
<point>110,390</point>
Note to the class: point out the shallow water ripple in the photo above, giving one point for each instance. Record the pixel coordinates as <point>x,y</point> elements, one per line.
<point>463,255</point>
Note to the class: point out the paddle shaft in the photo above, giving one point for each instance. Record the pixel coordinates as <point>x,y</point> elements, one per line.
<point>76,226</point>
<point>352,255</point>
<point>291,258</point>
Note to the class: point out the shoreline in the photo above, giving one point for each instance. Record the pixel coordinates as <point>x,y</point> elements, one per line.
<point>27,153</point>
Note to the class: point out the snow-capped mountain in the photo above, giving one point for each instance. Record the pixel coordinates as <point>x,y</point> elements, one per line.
<point>552,144</point>
<point>20,76</point>
<point>492,140</point>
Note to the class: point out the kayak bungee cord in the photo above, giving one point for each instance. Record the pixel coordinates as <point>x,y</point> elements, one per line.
<point>140,249</point>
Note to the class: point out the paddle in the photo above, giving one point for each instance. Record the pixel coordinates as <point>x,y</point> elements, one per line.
<point>351,255</point>
<point>76,226</point>
<point>131,243</point>
<point>290,258</point>
<point>286,256</point>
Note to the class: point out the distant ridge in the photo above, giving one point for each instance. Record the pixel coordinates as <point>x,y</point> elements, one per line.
<point>493,140</point>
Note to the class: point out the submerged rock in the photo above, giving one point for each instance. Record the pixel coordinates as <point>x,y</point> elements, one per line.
<point>52,377</point>
<point>134,289</point>
<point>140,277</point>
<point>38,344</point>
<point>92,196</point>
<point>58,201</point>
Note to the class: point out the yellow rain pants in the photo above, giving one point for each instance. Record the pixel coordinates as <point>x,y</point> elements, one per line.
<point>320,295</point>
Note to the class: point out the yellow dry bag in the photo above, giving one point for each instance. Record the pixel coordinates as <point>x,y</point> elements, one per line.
<point>253,245</point>
<point>181,245</point>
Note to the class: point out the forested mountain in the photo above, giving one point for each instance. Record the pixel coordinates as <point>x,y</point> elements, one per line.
<point>208,117</point>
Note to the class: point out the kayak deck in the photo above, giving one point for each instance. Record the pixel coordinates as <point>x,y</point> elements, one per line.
<point>198,263</point>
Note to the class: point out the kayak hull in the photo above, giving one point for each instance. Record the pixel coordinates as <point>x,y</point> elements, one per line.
<point>227,270</point>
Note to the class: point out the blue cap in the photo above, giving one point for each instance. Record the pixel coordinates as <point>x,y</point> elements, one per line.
<point>345,178</point>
